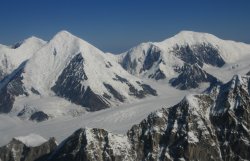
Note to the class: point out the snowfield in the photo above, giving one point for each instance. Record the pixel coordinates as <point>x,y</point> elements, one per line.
<point>116,119</point>
<point>31,140</point>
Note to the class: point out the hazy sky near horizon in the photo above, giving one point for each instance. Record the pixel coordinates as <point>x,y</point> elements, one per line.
<point>117,25</point>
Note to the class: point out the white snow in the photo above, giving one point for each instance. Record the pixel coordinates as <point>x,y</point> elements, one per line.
<point>229,50</point>
<point>31,140</point>
<point>11,58</point>
<point>192,138</point>
<point>53,106</point>
<point>120,143</point>
<point>44,68</point>
<point>236,55</point>
<point>117,119</point>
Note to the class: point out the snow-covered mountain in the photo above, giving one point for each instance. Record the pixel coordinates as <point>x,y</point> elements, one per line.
<point>71,68</point>
<point>167,59</point>
<point>213,126</point>
<point>69,72</point>
<point>27,148</point>
<point>13,56</point>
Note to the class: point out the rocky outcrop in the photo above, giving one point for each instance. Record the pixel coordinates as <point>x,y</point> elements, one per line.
<point>152,55</point>
<point>39,116</point>
<point>70,85</point>
<point>199,54</point>
<point>93,144</point>
<point>10,87</point>
<point>209,127</point>
<point>191,76</point>
<point>157,61</point>
<point>146,89</point>
<point>18,151</point>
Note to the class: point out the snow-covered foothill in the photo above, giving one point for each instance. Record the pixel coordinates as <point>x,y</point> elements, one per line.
<point>31,140</point>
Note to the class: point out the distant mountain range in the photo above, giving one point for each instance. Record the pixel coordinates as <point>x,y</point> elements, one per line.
<point>68,76</point>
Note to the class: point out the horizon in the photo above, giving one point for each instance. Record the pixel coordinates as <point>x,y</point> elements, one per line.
<point>125,49</point>
<point>118,26</point>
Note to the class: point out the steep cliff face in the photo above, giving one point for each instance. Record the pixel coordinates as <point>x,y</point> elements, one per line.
<point>10,87</point>
<point>212,126</point>
<point>16,150</point>
<point>191,76</point>
<point>170,58</point>
<point>93,144</point>
<point>180,132</point>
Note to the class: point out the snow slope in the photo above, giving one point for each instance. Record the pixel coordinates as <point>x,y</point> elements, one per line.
<point>12,57</point>
<point>118,119</point>
<point>231,51</point>
<point>70,68</point>
<point>31,140</point>
<point>44,68</point>
<point>166,60</point>
<point>46,65</point>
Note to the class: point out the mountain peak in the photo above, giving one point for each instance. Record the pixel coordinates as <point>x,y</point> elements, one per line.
<point>63,35</point>
<point>66,38</point>
<point>191,37</point>
<point>27,42</point>
<point>188,32</point>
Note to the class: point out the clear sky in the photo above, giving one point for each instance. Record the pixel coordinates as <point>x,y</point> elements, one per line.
<point>117,25</point>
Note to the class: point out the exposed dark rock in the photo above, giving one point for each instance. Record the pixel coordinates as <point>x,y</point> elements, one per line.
<point>146,89</point>
<point>115,93</point>
<point>69,86</point>
<point>91,144</point>
<point>18,151</point>
<point>27,110</point>
<point>209,127</point>
<point>230,118</point>
<point>39,116</point>
<point>199,54</point>
<point>2,74</point>
<point>6,101</point>
<point>107,96</point>
<point>108,64</point>
<point>128,64</point>
<point>33,90</point>
<point>191,77</point>
<point>17,45</point>
<point>93,101</point>
<point>152,56</point>
<point>158,75</point>
<point>248,73</point>
<point>10,87</point>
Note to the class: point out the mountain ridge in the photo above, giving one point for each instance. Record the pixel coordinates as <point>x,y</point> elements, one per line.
<point>71,68</point>
<point>207,126</point>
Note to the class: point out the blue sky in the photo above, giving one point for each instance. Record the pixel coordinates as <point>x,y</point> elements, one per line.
<point>117,25</point>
